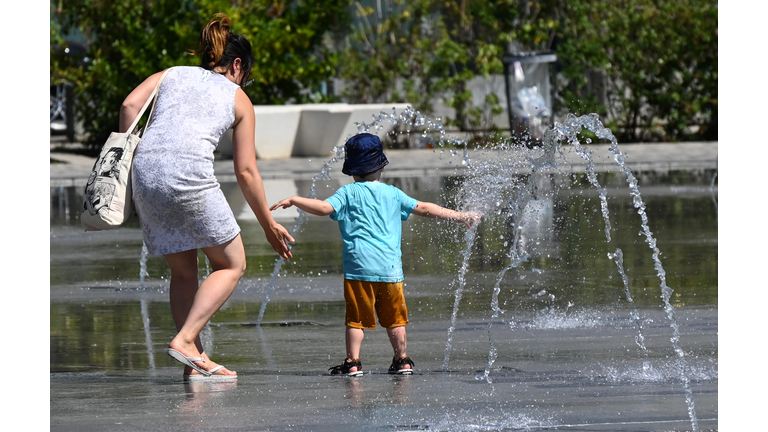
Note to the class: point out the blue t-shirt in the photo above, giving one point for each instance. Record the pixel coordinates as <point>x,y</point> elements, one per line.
<point>370,216</point>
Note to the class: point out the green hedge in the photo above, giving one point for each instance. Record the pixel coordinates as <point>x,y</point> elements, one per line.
<point>648,68</point>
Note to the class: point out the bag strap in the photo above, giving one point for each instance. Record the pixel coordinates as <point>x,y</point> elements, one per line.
<point>151,99</point>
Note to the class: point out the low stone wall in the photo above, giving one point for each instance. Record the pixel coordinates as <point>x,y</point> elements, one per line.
<point>308,130</point>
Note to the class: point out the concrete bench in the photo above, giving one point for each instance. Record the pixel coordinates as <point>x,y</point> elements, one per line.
<point>309,130</point>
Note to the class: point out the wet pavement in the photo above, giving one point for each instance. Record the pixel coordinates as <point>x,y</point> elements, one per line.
<point>584,377</point>
<point>578,372</point>
<point>74,169</point>
<point>577,369</point>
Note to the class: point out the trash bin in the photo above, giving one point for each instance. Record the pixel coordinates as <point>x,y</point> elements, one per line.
<point>529,93</point>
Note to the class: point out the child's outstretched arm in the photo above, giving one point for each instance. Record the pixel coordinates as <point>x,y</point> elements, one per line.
<point>434,211</point>
<point>310,205</point>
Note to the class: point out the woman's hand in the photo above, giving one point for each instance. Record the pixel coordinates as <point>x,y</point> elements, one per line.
<point>279,238</point>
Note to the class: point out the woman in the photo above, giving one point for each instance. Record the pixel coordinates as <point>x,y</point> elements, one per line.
<point>176,195</point>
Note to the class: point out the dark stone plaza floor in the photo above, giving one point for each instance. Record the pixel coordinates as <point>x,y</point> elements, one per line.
<point>555,375</point>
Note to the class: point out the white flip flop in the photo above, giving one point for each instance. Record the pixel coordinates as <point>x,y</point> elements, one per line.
<point>189,361</point>
<point>211,378</point>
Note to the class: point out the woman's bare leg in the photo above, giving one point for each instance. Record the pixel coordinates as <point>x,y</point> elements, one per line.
<point>193,308</point>
<point>184,284</point>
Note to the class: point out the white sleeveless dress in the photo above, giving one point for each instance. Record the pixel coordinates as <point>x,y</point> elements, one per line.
<point>176,195</point>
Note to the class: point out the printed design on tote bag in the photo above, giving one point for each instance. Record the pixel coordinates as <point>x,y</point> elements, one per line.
<point>98,196</point>
<point>110,163</point>
<point>99,191</point>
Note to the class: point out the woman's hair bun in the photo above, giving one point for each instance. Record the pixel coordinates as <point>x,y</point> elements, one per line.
<point>213,40</point>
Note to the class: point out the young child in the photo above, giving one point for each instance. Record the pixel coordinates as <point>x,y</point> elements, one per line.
<point>369,215</point>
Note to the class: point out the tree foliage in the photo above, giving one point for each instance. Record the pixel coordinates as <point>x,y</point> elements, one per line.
<point>656,63</point>
<point>647,67</point>
<point>292,43</point>
<point>129,40</point>
<point>422,51</point>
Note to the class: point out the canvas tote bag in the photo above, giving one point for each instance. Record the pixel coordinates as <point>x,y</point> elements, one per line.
<point>107,202</point>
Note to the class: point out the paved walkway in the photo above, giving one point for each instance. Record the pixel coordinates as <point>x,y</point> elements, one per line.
<point>69,169</point>
<point>560,379</point>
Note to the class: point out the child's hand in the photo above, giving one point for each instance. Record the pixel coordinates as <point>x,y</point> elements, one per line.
<point>469,217</point>
<point>282,204</point>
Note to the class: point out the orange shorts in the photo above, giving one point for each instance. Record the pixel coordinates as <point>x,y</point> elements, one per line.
<point>385,298</point>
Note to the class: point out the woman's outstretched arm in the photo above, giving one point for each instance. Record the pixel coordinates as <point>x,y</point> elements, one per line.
<point>248,177</point>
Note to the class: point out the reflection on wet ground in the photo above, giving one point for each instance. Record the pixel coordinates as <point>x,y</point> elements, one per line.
<point>549,373</point>
<point>566,342</point>
<point>553,371</point>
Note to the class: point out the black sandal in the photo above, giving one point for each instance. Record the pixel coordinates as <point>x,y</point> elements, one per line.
<point>397,366</point>
<point>343,369</point>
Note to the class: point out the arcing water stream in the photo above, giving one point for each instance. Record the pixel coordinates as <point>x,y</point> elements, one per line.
<point>485,187</point>
<point>497,190</point>
<point>409,116</point>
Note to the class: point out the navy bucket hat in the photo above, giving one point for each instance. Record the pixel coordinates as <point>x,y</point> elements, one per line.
<point>363,154</point>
